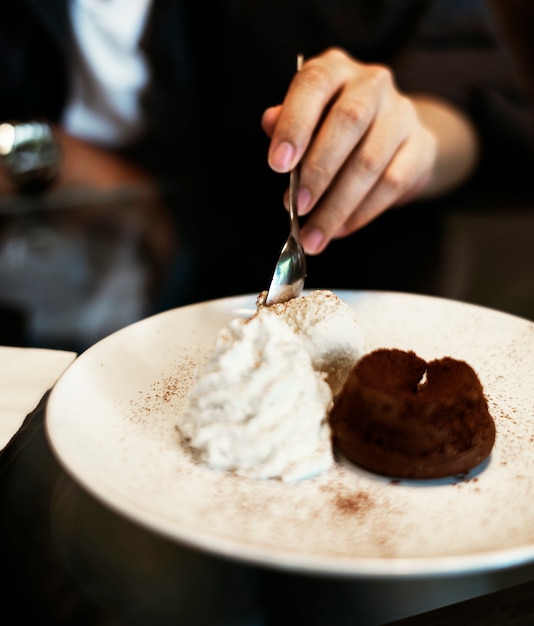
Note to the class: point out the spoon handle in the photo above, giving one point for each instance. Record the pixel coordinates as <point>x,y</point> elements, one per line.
<point>293,216</point>
<point>294,184</point>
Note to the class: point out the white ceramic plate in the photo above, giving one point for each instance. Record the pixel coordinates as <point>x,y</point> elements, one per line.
<point>111,421</point>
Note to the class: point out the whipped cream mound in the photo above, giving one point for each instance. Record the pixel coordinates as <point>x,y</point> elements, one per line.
<point>330,331</point>
<point>259,407</point>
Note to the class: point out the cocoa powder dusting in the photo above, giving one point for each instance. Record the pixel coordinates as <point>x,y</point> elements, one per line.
<point>165,392</point>
<point>352,504</point>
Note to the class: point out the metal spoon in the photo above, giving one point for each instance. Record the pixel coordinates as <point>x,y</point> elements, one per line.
<point>290,271</point>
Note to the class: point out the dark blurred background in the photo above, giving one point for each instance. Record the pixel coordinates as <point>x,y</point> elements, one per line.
<point>77,264</point>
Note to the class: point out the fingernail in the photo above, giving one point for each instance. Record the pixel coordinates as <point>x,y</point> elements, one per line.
<point>313,240</point>
<point>282,156</point>
<point>303,201</point>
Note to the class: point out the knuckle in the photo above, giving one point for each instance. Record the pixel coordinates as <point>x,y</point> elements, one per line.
<point>313,76</point>
<point>395,179</point>
<point>318,174</point>
<point>294,129</point>
<point>381,75</point>
<point>336,216</point>
<point>336,54</point>
<point>351,114</point>
<point>330,214</point>
<point>317,73</point>
<point>370,163</point>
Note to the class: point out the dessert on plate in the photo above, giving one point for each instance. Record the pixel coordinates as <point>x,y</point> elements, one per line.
<point>285,387</point>
<point>399,416</point>
<point>260,406</point>
<point>330,331</point>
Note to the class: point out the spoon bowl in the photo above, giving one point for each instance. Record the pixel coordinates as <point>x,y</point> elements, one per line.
<point>290,270</point>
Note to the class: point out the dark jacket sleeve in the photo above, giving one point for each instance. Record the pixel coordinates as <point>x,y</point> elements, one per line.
<point>459,53</point>
<point>34,47</point>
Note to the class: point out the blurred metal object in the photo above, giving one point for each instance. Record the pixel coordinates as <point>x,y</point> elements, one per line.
<point>30,154</point>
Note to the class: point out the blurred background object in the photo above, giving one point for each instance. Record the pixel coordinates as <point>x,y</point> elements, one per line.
<point>488,259</point>
<point>515,19</point>
<point>79,264</point>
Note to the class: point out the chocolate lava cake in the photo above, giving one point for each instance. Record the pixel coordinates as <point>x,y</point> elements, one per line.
<point>399,416</point>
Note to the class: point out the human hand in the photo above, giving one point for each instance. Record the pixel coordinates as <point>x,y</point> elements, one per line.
<point>360,142</point>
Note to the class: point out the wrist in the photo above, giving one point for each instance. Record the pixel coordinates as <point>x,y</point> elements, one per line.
<point>30,154</point>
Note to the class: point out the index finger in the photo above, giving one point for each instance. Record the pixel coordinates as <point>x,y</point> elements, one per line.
<point>307,98</point>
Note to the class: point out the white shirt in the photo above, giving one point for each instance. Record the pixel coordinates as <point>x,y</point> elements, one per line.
<point>108,70</point>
